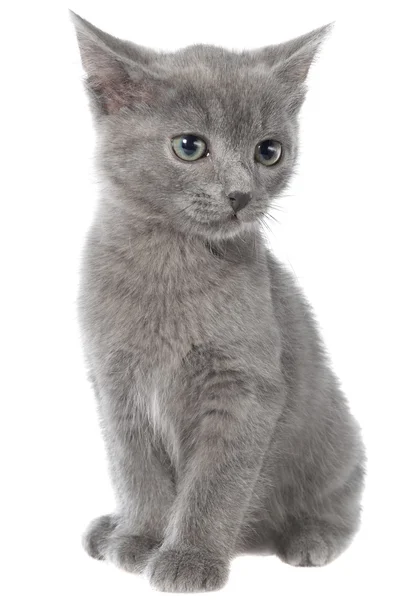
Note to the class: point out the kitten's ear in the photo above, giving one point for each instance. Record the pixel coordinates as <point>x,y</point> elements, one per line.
<point>118,73</point>
<point>291,61</point>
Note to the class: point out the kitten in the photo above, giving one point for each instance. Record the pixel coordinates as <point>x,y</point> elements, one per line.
<point>225,427</point>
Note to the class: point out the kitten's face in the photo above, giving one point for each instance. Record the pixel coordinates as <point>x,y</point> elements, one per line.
<point>232,114</point>
<point>204,139</point>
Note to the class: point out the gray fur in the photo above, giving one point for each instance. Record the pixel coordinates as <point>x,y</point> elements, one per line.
<point>225,427</point>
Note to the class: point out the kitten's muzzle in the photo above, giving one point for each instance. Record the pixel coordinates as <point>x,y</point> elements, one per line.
<point>239,200</point>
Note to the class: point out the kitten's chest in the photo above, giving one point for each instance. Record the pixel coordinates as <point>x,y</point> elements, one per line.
<point>157,303</point>
<point>170,312</point>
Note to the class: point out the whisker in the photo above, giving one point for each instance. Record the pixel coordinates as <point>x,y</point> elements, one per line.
<point>264,224</point>
<point>277,207</point>
<point>269,216</point>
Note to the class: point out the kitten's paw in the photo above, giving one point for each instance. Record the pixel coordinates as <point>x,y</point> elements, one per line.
<point>187,570</point>
<point>305,549</point>
<point>130,552</point>
<point>95,539</point>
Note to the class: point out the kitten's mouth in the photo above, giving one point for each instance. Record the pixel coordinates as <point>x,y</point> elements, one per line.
<point>234,217</point>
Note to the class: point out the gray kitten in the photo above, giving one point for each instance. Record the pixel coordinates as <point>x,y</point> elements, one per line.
<point>225,427</point>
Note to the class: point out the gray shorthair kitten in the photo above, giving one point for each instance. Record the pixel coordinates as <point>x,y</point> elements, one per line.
<point>225,427</point>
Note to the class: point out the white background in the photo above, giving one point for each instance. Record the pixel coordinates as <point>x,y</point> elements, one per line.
<point>338,231</point>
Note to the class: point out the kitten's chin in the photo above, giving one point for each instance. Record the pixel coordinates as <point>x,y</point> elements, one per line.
<point>225,229</point>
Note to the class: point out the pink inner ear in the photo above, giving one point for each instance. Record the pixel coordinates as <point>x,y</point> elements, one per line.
<point>116,94</point>
<point>116,83</point>
<point>119,92</point>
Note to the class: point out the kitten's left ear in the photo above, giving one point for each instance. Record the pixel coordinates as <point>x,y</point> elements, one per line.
<point>291,61</point>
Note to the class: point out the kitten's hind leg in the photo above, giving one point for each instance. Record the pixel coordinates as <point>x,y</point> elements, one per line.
<point>315,538</point>
<point>311,543</point>
<point>96,537</point>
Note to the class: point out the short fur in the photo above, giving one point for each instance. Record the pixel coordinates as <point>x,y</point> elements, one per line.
<point>225,427</point>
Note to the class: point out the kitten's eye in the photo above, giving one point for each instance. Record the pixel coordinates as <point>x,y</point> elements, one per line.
<point>268,152</point>
<point>189,147</point>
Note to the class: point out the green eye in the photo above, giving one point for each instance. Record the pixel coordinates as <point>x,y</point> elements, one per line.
<point>268,152</point>
<point>189,147</point>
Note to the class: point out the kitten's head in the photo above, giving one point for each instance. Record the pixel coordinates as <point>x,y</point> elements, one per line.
<point>201,139</point>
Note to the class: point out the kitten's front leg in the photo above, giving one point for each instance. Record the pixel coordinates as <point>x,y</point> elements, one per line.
<point>226,442</point>
<point>145,493</point>
<point>142,478</point>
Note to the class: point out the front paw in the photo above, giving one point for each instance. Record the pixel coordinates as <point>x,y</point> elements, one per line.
<point>130,552</point>
<point>96,536</point>
<point>187,570</point>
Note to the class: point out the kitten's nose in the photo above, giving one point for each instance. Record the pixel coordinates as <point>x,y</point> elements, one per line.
<point>239,200</point>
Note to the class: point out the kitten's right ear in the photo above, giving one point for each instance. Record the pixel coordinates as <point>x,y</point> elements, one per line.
<point>118,73</point>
